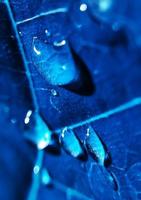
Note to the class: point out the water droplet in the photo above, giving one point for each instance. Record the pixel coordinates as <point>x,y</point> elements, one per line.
<point>46,179</point>
<point>13,121</point>
<point>54,64</point>
<point>20,33</point>
<point>70,143</point>
<point>39,134</point>
<point>48,34</point>
<point>59,43</point>
<point>104,5</point>
<point>27,118</point>
<point>83,7</point>
<point>54,92</point>
<point>36,169</point>
<point>36,176</point>
<point>95,146</point>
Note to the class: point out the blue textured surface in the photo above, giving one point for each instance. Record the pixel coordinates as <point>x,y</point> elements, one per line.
<point>79,69</point>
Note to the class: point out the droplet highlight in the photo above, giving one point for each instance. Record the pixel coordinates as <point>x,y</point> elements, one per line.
<point>39,133</point>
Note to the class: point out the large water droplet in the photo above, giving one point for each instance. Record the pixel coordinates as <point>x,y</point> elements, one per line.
<point>95,146</point>
<point>54,62</point>
<point>71,144</point>
<point>39,133</point>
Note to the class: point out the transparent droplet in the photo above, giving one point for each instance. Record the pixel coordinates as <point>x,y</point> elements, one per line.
<point>45,177</point>
<point>39,134</point>
<point>36,169</point>
<point>48,34</point>
<point>83,7</point>
<point>70,143</point>
<point>95,146</point>
<point>54,64</point>
<point>54,92</point>
<point>104,5</point>
<point>59,43</point>
<point>27,118</point>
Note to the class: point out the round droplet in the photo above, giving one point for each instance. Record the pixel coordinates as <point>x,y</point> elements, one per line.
<point>36,169</point>
<point>48,34</point>
<point>83,7</point>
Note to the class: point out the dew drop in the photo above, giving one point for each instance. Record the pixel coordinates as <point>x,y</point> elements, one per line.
<point>48,34</point>
<point>13,121</point>
<point>54,92</point>
<point>95,146</point>
<point>55,65</point>
<point>38,52</point>
<point>39,134</point>
<point>83,7</point>
<point>59,43</point>
<point>27,118</point>
<point>45,177</point>
<point>36,169</point>
<point>70,143</point>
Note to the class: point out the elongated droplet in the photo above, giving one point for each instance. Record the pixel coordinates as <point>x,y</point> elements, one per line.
<point>46,179</point>
<point>95,146</point>
<point>54,62</point>
<point>71,144</point>
<point>39,134</point>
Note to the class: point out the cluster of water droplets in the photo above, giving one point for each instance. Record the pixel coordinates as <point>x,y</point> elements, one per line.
<point>92,145</point>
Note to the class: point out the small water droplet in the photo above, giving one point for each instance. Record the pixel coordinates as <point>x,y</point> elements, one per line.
<point>83,7</point>
<point>20,33</point>
<point>36,169</point>
<point>54,92</point>
<point>70,143</point>
<point>13,121</point>
<point>27,118</point>
<point>95,146</point>
<point>48,34</point>
<point>46,179</point>
<point>59,43</point>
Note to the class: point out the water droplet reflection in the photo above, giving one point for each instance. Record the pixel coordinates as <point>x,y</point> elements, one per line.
<point>39,132</point>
